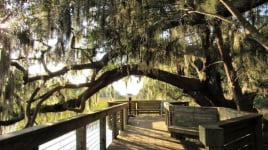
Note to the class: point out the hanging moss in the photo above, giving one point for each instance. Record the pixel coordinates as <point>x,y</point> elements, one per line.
<point>4,65</point>
<point>209,6</point>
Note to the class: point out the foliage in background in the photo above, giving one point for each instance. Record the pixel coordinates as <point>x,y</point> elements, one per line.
<point>261,102</point>
<point>57,56</point>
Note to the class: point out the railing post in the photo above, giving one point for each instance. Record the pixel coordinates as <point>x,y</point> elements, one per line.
<point>114,125</point>
<point>81,141</point>
<point>136,108</point>
<point>129,106</point>
<point>161,107</point>
<point>125,116</point>
<point>122,120</point>
<point>103,133</point>
<point>258,134</point>
<point>211,136</point>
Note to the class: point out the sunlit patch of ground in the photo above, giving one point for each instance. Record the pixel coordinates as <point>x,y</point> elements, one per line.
<point>149,133</point>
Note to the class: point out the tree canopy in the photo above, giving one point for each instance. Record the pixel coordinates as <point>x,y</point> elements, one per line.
<point>215,51</point>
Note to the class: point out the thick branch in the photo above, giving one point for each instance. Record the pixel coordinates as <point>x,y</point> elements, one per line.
<point>12,120</point>
<point>49,93</point>
<point>240,5</point>
<point>188,84</point>
<point>19,67</point>
<point>28,111</point>
<point>261,39</point>
<point>209,15</point>
<point>94,65</point>
<point>228,67</point>
<point>191,86</point>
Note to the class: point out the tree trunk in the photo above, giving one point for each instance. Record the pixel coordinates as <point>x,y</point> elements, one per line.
<point>243,101</point>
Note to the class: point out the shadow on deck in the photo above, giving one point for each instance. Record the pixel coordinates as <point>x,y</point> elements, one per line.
<point>150,133</point>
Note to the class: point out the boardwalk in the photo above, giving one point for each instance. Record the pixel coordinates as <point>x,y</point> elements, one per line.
<point>149,133</point>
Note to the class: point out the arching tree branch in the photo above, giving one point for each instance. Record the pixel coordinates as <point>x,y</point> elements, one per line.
<point>189,85</point>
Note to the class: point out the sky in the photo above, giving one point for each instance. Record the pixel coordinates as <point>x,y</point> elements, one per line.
<point>133,86</point>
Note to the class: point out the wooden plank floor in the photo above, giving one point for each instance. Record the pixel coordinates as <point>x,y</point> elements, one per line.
<point>149,133</point>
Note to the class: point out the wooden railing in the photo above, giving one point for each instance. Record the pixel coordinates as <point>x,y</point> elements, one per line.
<point>243,132</point>
<point>137,107</point>
<point>217,128</point>
<point>31,138</point>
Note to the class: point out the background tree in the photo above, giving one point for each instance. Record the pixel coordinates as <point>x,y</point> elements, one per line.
<point>196,46</point>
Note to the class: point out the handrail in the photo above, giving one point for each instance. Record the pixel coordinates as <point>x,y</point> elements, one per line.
<point>137,107</point>
<point>32,137</point>
<point>233,132</point>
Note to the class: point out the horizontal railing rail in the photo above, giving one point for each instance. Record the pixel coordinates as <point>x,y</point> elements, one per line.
<point>137,107</point>
<point>31,138</point>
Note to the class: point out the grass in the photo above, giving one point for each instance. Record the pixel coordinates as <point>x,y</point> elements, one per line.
<point>100,105</point>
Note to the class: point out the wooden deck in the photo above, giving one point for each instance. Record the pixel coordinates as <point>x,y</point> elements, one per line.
<point>150,133</point>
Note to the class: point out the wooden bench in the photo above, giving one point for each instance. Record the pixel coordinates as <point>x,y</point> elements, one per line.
<point>184,121</point>
<point>145,107</point>
<point>217,128</point>
<point>166,109</point>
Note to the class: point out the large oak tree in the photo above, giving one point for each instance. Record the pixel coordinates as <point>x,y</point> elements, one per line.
<point>197,46</point>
